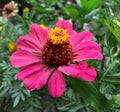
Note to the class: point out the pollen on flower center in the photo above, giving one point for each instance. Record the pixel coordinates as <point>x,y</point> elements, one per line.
<point>58,35</point>
<point>56,55</point>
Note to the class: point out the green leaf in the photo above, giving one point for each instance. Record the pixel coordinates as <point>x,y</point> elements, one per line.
<point>5,90</point>
<point>52,1</point>
<point>76,108</point>
<point>16,101</point>
<point>40,9</point>
<point>117,75</point>
<point>66,107</point>
<point>108,70</point>
<point>93,4</point>
<point>27,92</point>
<point>112,80</point>
<point>73,12</point>
<point>3,20</point>
<point>111,77</point>
<point>115,30</point>
<point>22,96</point>
<point>91,95</point>
<point>88,5</point>
<point>83,3</point>
<point>117,99</point>
<point>32,2</point>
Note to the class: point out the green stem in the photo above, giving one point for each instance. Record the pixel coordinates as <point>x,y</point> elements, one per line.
<point>108,70</point>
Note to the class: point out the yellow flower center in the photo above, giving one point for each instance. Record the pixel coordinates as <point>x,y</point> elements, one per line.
<point>58,35</point>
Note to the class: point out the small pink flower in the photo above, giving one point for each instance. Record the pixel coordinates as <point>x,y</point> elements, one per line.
<point>48,54</point>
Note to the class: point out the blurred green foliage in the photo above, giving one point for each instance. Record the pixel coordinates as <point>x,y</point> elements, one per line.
<point>103,95</point>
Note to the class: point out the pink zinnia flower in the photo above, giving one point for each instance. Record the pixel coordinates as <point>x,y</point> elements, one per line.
<point>48,54</point>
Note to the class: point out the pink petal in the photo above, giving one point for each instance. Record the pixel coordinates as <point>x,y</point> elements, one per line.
<point>74,70</point>
<point>56,84</point>
<point>37,79</point>
<point>92,54</point>
<point>80,37</point>
<point>38,34</point>
<point>81,70</point>
<point>28,70</point>
<point>28,44</point>
<point>64,24</point>
<point>88,46</point>
<point>72,34</point>
<point>87,50</point>
<point>89,74</point>
<point>22,58</point>
<point>43,78</point>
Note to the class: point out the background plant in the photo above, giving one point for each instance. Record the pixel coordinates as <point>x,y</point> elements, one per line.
<point>98,16</point>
